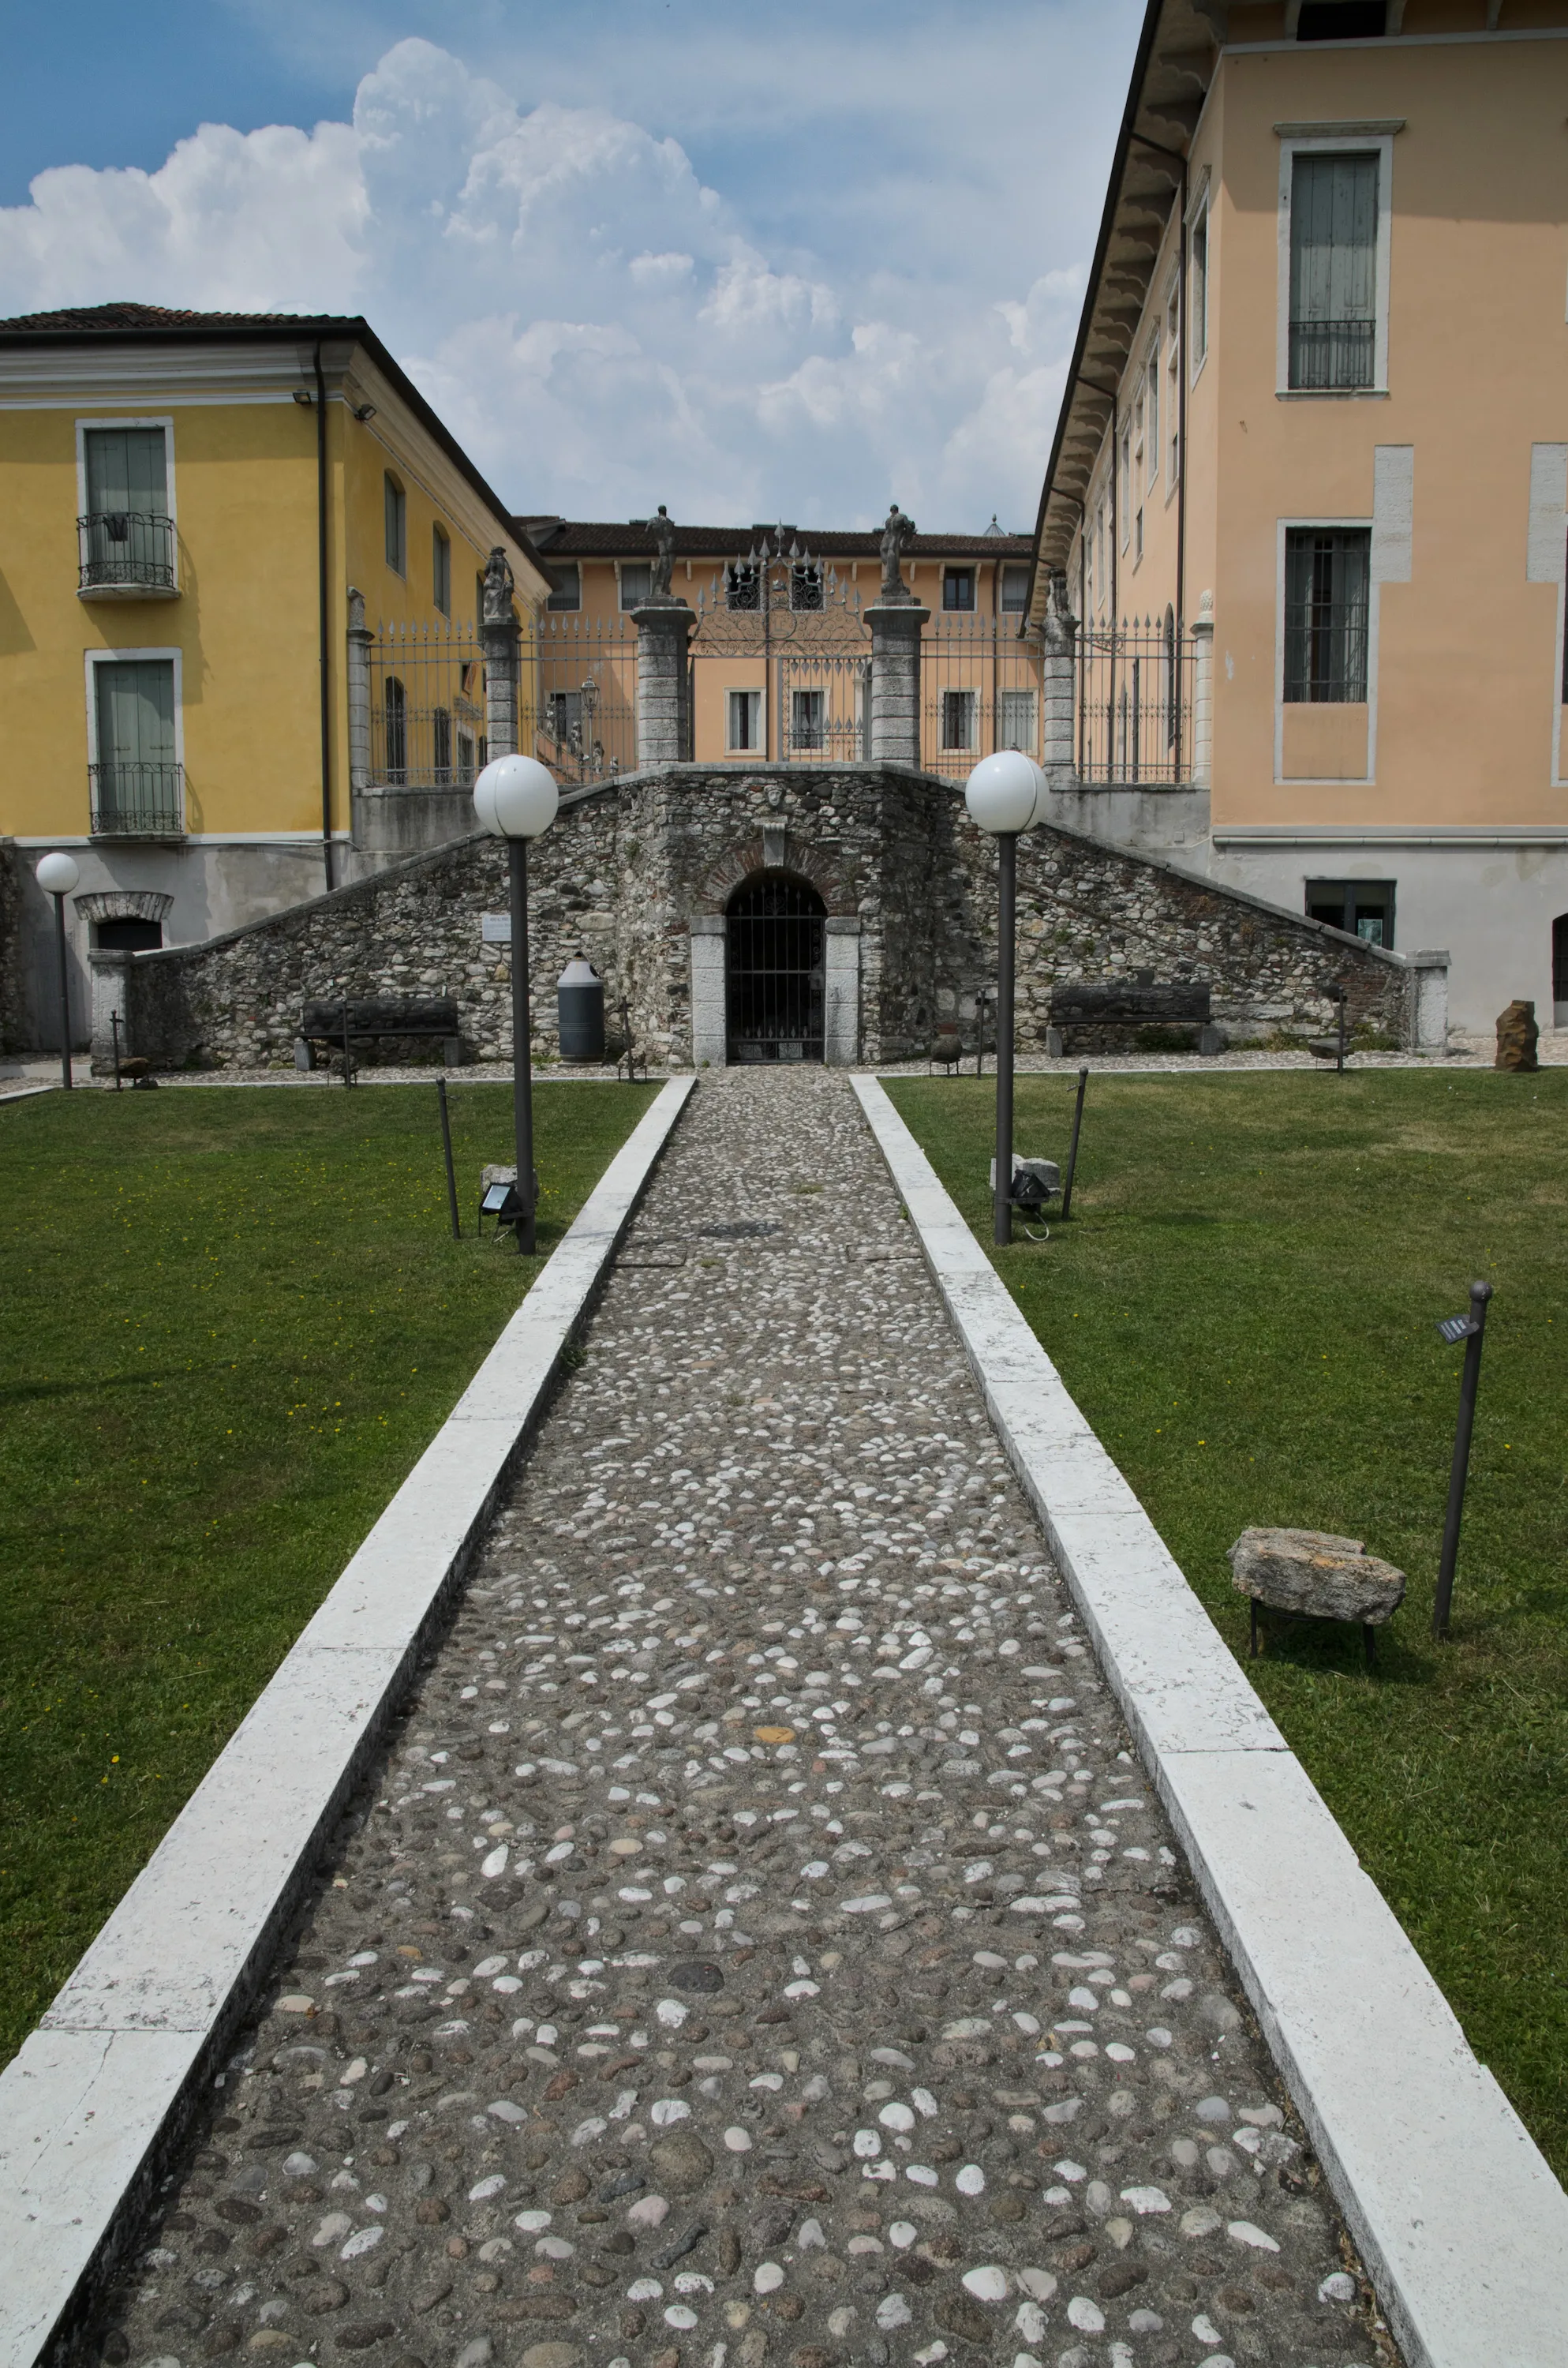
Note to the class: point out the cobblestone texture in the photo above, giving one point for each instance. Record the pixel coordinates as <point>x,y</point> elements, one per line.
<point>760,1944</point>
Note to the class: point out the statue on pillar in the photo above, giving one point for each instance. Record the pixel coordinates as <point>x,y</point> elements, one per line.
<point>897,536</point>
<point>661,528</point>
<point>1060,626</point>
<point>499,587</point>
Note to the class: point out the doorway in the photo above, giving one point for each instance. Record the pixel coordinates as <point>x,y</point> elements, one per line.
<point>776,970</point>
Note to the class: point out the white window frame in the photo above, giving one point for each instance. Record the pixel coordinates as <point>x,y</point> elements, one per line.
<point>1348,138</point>
<point>1199,218</point>
<point>440,536</point>
<point>166,422</point>
<point>619,593</point>
<point>1152,396</point>
<point>1124,484</point>
<point>956,568</point>
<point>747,690</point>
<point>1174,458</point>
<point>1033,747</point>
<point>392,478</point>
<point>96,658</point>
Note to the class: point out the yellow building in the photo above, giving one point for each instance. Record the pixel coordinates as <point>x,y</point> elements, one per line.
<point>189,498</point>
<point>1308,493</point>
<point>780,654</point>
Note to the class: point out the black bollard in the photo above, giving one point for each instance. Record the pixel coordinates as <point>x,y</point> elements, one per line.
<point>447,1149</point>
<point>1073,1147</point>
<point>1472,1330</point>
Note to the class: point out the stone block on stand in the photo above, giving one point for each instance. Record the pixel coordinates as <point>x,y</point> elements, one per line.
<point>1314,1573</point>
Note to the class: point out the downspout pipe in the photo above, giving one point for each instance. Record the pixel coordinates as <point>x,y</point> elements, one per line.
<point>322,623</point>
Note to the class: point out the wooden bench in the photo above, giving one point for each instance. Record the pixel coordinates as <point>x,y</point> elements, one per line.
<point>340,1025</point>
<point>1134,1015</point>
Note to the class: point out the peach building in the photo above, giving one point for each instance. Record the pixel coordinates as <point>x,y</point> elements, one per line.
<point>1307,499</point>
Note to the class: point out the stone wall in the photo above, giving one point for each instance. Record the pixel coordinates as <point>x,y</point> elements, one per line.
<point>631,863</point>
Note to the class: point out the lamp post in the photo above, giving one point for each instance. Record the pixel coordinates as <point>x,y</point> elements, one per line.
<point>1003,795</point>
<point>516,799</point>
<point>57,875</point>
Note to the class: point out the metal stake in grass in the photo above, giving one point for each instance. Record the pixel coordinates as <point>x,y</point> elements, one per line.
<point>1472,1330</point>
<point>447,1148</point>
<point>1073,1147</point>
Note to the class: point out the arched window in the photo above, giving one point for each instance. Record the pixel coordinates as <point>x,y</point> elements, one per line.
<point>397,524</point>
<point>395,717</point>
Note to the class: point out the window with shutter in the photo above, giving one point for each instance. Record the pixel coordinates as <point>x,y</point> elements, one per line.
<point>441,571</point>
<point>126,534</point>
<point>1334,243</point>
<point>136,780</point>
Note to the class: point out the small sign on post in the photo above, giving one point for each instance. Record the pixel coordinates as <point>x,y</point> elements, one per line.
<point>1471,1329</point>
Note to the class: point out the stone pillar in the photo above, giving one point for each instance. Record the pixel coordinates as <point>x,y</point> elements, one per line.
<point>896,626</point>
<point>1427,1021</point>
<point>109,974</point>
<point>664,628</point>
<point>1058,636</point>
<point>709,1006</point>
<point>500,640</point>
<point>360,640</point>
<point>1200,763</point>
<point>841,993</point>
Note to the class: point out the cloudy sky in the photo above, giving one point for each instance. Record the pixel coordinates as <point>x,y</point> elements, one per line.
<point>750,259</point>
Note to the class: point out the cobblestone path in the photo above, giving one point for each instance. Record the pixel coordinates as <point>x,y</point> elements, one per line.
<point>760,1944</point>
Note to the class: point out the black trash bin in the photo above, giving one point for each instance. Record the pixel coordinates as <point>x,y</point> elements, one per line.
<point>580,1010</point>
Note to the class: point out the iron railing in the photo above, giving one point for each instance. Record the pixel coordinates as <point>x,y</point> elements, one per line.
<point>137,801</point>
<point>1330,356</point>
<point>126,550</point>
<point>980,690</point>
<point>576,700</point>
<point>1133,704</point>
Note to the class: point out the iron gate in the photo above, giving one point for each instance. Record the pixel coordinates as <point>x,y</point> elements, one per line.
<point>775,966</point>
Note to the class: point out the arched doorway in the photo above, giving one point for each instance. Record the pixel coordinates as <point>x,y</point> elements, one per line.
<point>775,966</point>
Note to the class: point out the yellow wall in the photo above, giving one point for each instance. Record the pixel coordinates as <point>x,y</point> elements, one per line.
<point>246,622</point>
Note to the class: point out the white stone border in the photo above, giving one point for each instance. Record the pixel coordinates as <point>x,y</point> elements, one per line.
<point>91,2105</point>
<point>1457,2217</point>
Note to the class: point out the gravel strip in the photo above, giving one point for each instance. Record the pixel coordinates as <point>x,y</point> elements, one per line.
<point>760,1944</point>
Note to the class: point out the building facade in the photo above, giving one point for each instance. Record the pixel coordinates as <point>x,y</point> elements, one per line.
<point>778,651</point>
<point>1307,508</point>
<point>190,501</point>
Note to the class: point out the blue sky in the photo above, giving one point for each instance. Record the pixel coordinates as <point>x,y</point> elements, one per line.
<point>749,260</point>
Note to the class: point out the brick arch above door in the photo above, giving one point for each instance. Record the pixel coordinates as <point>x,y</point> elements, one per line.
<point>779,850</point>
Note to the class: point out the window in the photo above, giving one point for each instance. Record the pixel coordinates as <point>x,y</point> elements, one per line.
<point>1333,242</point>
<point>807,720</point>
<point>1135,474</point>
<point>1326,578</point>
<point>1153,401</point>
<point>1015,591</point>
<point>958,719</point>
<point>743,713</point>
<point>136,779</point>
<point>806,585</point>
<point>1363,908</point>
<point>1197,324</point>
<point>441,745</point>
<point>567,583</point>
<point>1172,397</point>
<point>394,710</point>
<point>441,570</point>
<point>127,937</point>
<point>1126,483</point>
<point>636,582</point>
<point>958,587</point>
<point>127,535</point>
<point>1016,721</point>
<point>743,588</point>
<point>396,503</point>
<point>1099,548</point>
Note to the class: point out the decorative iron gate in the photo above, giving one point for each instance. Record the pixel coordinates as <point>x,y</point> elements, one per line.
<point>776,971</point>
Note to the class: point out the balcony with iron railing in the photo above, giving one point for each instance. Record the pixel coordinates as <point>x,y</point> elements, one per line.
<point>137,801</point>
<point>1333,357</point>
<point>126,555</point>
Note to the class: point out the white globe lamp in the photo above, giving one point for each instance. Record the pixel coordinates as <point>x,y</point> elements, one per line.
<point>57,875</point>
<point>516,797</point>
<point>1004,791</point>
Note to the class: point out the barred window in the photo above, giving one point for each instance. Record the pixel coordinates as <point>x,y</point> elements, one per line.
<point>1327,574</point>
<point>807,720</point>
<point>958,719</point>
<point>1334,238</point>
<point>806,585</point>
<point>395,710</point>
<point>743,588</point>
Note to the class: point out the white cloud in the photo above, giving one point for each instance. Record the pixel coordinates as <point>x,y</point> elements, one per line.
<point>604,324</point>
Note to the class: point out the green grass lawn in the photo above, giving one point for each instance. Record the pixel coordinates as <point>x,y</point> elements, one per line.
<point>229,1322</point>
<point>1243,1305</point>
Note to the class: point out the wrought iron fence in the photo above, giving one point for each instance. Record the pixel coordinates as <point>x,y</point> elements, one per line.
<point>1333,356</point>
<point>824,708</point>
<point>137,801</point>
<point>577,702</point>
<point>980,690</point>
<point>1133,719</point>
<point>126,550</point>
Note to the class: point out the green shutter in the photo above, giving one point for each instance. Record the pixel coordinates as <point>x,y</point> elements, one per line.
<point>127,470</point>
<point>1333,241</point>
<point>136,712</point>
